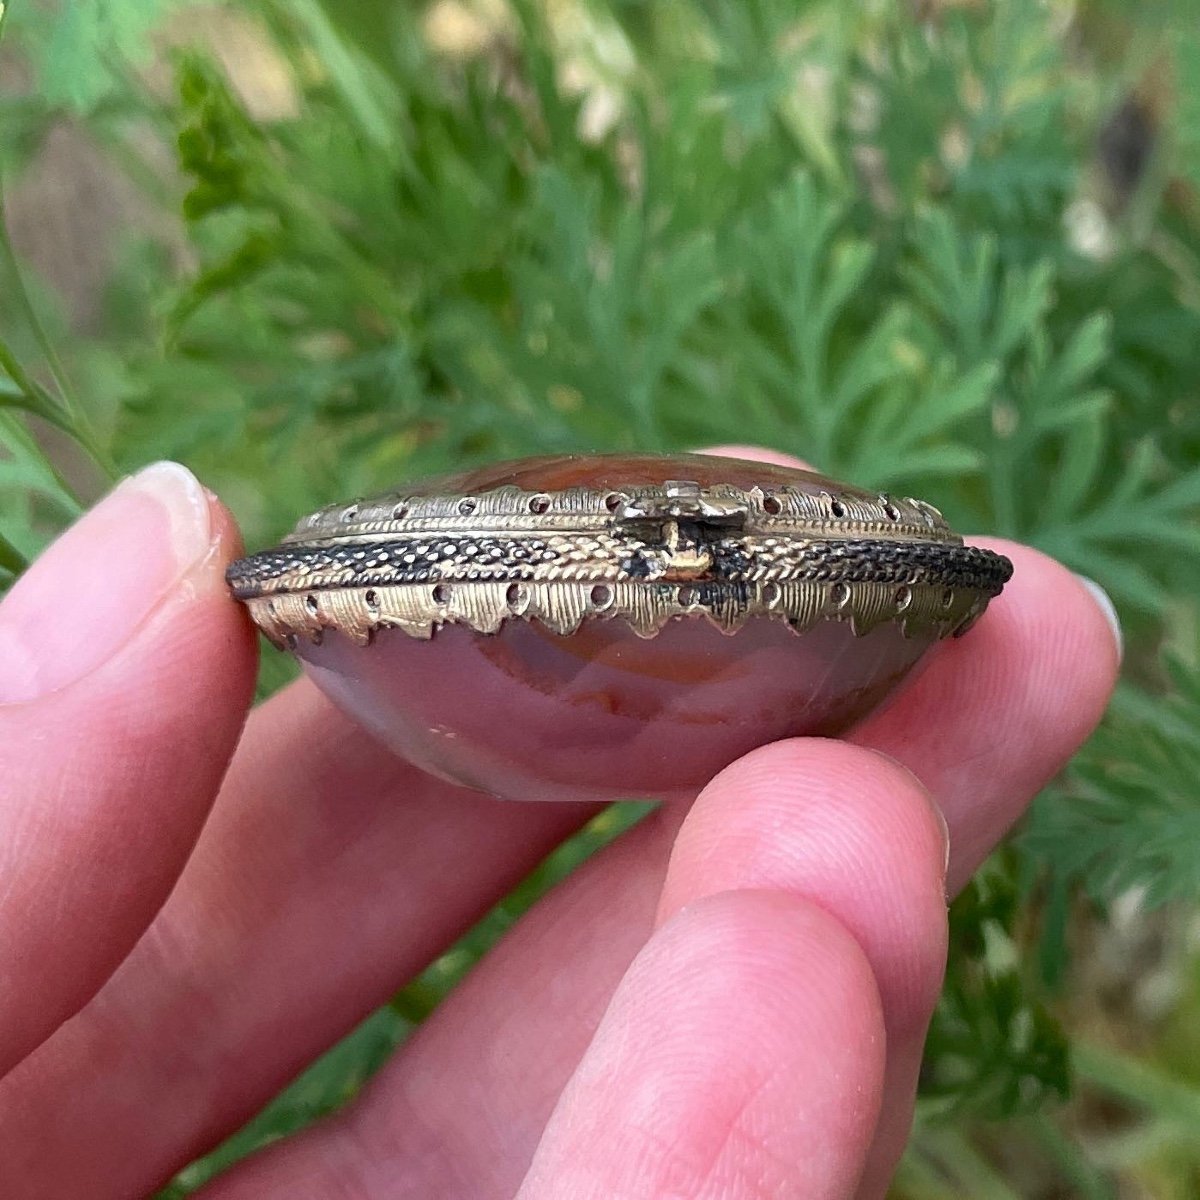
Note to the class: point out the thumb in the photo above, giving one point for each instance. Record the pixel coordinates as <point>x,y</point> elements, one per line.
<point>125,675</point>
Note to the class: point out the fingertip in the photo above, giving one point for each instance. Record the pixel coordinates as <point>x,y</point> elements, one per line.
<point>771,945</point>
<point>998,712</point>
<point>197,649</point>
<point>139,671</point>
<point>843,827</point>
<point>770,802</point>
<point>742,1053</point>
<point>230,630</point>
<point>761,454</point>
<point>227,533</point>
<point>1048,653</point>
<point>1050,598</point>
<point>831,758</point>
<point>1108,610</point>
<point>1070,610</point>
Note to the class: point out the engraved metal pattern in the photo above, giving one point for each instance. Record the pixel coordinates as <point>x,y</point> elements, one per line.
<point>781,510</point>
<point>646,555</point>
<point>605,559</point>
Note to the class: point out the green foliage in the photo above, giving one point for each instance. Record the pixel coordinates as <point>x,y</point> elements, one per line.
<point>79,50</point>
<point>32,497</point>
<point>1127,815</point>
<point>1186,47</point>
<point>993,1050</point>
<point>903,248</point>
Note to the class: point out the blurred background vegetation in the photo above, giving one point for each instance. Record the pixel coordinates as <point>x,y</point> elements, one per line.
<point>950,247</point>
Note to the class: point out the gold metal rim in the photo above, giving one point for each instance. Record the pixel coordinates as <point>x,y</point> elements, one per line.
<point>647,555</point>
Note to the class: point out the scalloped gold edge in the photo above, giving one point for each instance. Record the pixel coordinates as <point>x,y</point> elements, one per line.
<point>419,609</point>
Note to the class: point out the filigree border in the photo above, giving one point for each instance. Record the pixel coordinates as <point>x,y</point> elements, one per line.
<point>565,557</point>
<point>783,511</point>
<point>358,612</point>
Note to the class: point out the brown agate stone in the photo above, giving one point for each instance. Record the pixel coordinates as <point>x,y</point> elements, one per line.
<point>551,473</point>
<point>530,714</point>
<point>590,628</point>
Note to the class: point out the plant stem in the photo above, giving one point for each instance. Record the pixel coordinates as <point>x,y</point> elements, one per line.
<point>21,291</point>
<point>1119,1152</point>
<point>974,1175</point>
<point>11,559</point>
<point>1139,1084</point>
<point>69,415</point>
<point>35,400</point>
<point>917,1176</point>
<point>1088,1183</point>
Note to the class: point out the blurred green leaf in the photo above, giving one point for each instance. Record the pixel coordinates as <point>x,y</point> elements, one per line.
<point>79,54</point>
<point>1128,815</point>
<point>993,1048</point>
<point>33,502</point>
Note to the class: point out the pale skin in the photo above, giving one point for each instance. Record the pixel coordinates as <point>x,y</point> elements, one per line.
<point>728,1003</point>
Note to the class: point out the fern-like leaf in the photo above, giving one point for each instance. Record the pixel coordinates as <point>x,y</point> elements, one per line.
<point>1127,815</point>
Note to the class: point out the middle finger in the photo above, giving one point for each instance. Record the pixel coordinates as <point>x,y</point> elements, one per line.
<point>989,721</point>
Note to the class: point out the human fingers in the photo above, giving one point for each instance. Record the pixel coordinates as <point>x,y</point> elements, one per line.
<point>125,683</point>
<point>462,1106</point>
<point>757,454</point>
<point>329,873</point>
<point>741,1056</point>
<point>986,724</point>
<point>565,958</point>
<point>997,713</point>
<point>617,925</point>
<point>856,833</point>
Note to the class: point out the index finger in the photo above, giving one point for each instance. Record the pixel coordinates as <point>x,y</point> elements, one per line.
<point>998,713</point>
<point>995,715</point>
<point>992,717</point>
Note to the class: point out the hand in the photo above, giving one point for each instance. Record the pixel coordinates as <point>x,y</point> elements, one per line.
<point>728,1002</point>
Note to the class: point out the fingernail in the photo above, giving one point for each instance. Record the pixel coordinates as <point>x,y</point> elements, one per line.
<point>1106,606</point>
<point>84,598</point>
<point>945,827</point>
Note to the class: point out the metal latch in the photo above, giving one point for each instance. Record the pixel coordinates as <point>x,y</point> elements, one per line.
<point>687,517</point>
